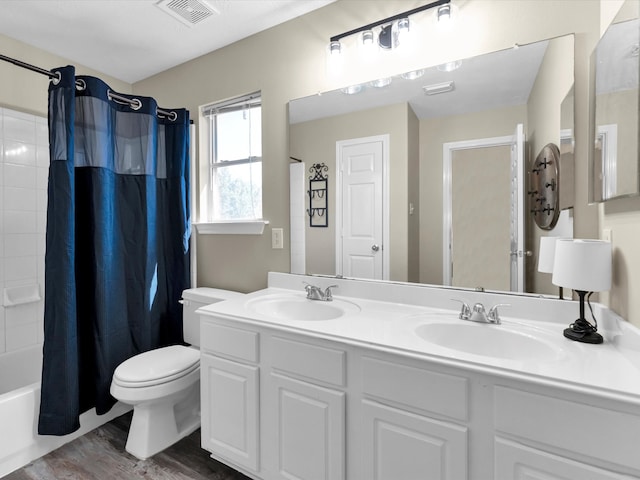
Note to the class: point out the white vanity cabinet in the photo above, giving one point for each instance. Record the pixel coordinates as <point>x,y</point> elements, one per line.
<point>413,421</point>
<point>280,403</point>
<point>304,409</point>
<point>230,394</point>
<point>558,435</point>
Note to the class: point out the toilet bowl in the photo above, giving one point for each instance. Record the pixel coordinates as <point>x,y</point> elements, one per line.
<point>163,385</point>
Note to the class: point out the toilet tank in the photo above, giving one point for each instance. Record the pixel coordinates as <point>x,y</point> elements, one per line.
<point>192,300</point>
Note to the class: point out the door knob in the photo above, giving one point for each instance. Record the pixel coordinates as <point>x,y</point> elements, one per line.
<point>375,247</point>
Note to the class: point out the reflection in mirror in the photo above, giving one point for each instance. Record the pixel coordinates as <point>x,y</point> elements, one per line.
<point>442,144</point>
<point>615,159</point>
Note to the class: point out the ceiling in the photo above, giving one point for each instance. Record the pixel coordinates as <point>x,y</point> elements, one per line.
<point>134,39</point>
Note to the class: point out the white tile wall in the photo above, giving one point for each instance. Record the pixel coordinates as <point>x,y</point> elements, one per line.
<point>298,217</point>
<point>24,163</point>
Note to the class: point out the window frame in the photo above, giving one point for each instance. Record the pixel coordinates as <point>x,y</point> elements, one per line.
<point>208,166</point>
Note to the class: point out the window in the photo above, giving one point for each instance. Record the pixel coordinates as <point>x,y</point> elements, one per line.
<point>234,151</point>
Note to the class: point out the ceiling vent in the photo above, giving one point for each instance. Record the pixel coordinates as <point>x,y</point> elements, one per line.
<point>437,88</point>
<point>189,12</point>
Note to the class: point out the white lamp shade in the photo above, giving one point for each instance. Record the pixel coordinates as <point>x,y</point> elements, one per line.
<point>546,254</point>
<point>582,265</point>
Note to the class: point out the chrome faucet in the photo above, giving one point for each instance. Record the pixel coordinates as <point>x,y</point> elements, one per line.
<point>479,314</point>
<point>316,293</point>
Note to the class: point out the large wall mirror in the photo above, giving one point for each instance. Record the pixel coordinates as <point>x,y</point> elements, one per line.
<point>615,159</point>
<point>428,171</point>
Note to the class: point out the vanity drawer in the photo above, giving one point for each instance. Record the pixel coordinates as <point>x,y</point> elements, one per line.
<point>429,391</point>
<point>599,433</point>
<point>228,341</point>
<point>310,361</point>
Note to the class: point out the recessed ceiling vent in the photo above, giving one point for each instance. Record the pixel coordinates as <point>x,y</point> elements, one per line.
<point>438,88</point>
<point>189,12</point>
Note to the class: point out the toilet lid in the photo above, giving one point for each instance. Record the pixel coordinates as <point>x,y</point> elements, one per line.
<point>157,366</point>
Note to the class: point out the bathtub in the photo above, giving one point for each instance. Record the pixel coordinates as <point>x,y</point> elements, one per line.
<point>19,406</point>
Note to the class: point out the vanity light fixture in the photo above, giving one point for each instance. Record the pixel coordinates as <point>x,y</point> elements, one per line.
<point>413,74</point>
<point>381,82</point>
<point>584,266</point>
<point>438,88</point>
<point>352,89</point>
<point>449,66</point>
<point>391,28</point>
<point>335,48</point>
<point>403,25</point>
<point>444,13</point>
<point>367,38</point>
<point>385,39</point>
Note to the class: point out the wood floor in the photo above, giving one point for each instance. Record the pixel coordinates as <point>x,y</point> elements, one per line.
<point>100,455</point>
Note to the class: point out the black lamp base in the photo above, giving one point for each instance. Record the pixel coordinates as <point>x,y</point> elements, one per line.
<point>581,330</point>
<point>585,335</point>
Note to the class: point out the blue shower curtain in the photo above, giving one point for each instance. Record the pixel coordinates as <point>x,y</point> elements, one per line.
<point>117,242</point>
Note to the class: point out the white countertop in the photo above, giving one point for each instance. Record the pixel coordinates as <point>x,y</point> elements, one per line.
<point>611,369</point>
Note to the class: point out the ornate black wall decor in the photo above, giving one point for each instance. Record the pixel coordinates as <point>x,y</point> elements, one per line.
<point>318,188</point>
<point>544,183</point>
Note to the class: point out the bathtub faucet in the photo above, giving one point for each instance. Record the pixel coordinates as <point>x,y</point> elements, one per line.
<point>479,314</point>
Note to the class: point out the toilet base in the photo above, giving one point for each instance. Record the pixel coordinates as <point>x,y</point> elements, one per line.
<point>158,425</point>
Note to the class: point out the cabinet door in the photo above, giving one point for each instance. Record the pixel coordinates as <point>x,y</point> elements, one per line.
<point>518,462</point>
<point>229,393</point>
<point>401,445</point>
<point>310,430</point>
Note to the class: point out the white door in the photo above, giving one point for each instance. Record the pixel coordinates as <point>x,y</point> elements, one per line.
<point>361,216</point>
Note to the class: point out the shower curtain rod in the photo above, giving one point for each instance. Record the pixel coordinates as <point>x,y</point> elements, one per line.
<point>114,96</point>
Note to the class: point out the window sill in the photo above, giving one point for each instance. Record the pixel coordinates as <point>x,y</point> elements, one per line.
<point>252,227</point>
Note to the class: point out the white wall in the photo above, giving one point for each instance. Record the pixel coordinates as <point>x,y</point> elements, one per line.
<point>288,61</point>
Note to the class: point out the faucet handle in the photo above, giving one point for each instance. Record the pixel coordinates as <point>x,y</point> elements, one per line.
<point>327,292</point>
<point>465,313</point>
<point>494,315</point>
<point>312,290</point>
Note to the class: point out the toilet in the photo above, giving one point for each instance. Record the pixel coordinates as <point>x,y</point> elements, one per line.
<point>163,385</point>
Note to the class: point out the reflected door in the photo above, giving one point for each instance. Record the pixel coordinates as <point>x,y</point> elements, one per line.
<point>480,220</point>
<point>483,213</point>
<point>360,249</point>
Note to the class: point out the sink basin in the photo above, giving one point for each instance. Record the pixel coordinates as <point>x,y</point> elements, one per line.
<point>496,341</point>
<point>298,307</point>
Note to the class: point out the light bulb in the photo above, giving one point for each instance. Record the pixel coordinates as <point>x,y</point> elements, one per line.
<point>367,38</point>
<point>444,13</point>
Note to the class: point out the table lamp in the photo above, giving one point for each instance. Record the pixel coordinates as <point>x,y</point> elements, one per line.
<point>546,255</point>
<point>584,266</point>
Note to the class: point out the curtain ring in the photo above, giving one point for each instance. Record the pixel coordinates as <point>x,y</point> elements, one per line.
<point>80,84</point>
<point>172,116</point>
<point>57,78</point>
<point>135,104</point>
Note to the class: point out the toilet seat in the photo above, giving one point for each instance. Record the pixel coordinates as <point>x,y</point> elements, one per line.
<point>157,366</point>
